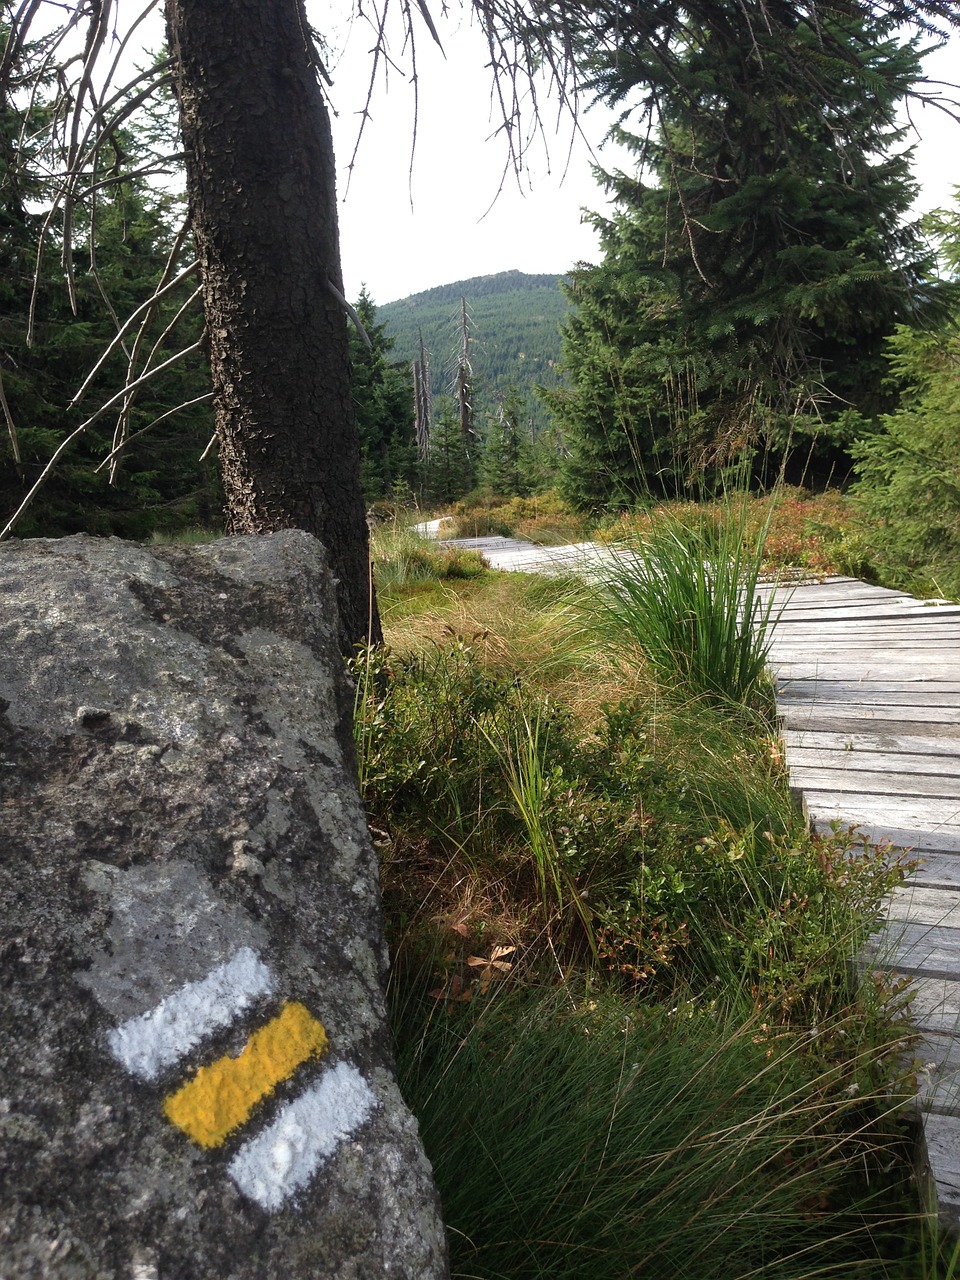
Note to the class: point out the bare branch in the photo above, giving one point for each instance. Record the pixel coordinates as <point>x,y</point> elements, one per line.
<point>123,422</point>
<point>187,404</point>
<point>160,292</point>
<point>210,443</point>
<point>11,427</point>
<point>352,313</point>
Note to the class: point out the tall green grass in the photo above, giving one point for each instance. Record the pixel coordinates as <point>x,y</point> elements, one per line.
<point>576,1136</point>
<point>691,599</point>
<point>400,556</point>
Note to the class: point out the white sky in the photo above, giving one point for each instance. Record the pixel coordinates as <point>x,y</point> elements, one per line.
<point>448,233</point>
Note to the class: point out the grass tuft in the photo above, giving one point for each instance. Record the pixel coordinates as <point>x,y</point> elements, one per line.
<point>692,600</point>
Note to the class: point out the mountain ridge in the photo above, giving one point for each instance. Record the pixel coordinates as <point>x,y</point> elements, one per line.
<point>479,286</point>
<point>514,320</point>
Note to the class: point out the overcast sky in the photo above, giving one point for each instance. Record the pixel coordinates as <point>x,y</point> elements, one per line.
<point>400,235</point>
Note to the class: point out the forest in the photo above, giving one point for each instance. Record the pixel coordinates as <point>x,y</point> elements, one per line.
<point>764,299</point>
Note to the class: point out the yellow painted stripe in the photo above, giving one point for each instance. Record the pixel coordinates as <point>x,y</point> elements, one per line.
<point>221,1096</point>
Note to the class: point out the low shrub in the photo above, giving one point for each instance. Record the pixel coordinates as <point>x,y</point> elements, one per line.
<point>543,518</point>
<point>665,842</point>
<point>820,534</point>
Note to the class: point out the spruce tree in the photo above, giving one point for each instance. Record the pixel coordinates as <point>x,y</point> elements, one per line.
<point>448,473</point>
<point>383,398</point>
<point>159,481</point>
<point>507,455</point>
<point>750,287</point>
<point>909,463</point>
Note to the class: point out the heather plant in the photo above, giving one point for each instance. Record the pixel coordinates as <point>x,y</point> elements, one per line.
<point>805,533</point>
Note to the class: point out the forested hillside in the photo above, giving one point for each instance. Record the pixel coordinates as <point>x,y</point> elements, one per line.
<point>514,326</point>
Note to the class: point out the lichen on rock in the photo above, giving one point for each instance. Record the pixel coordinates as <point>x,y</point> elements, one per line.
<point>186,882</point>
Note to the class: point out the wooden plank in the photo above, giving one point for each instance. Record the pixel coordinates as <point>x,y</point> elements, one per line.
<point>877,782</point>
<point>867,694</point>
<point>941,1140</point>
<point>829,639</point>
<point>867,616</point>
<point>871,740</point>
<point>845,629</point>
<point>867,613</point>
<point>819,598</point>
<point>880,668</point>
<point>798,713</point>
<point>938,815</point>
<point>935,633</point>
<point>826,633</point>
<point>860,660</point>
<point>919,904</point>
<point>863,665</point>
<point>854,644</point>
<point>805,760</point>
<point>931,950</point>
<point>825,598</point>
<point>898,613</point>
<point>935,1004</point>
<point>937,1059</point>
<point>892,729</point>
<point>938,868</point>
<point>917,841</point>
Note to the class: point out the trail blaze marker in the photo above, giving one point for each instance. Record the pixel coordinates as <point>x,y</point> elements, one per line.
<point>165,1034</point>
<point>284,1156</point>
<point>220,1098</point>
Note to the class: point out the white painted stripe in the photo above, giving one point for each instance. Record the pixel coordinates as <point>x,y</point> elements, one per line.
<point>163,1035</point>
<point>284,1157</point>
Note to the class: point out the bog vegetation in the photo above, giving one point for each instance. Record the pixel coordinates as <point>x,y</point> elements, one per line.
<point>626,1011</point>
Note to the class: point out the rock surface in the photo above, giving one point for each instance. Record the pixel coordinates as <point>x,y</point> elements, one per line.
<point>195,1068</point>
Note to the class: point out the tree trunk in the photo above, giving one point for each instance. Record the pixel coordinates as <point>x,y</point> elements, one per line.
<point>261,184</point>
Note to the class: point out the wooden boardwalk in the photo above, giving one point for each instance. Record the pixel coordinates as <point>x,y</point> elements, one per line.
<point>868,687</point>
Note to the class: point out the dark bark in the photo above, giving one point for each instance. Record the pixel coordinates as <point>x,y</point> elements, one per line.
<point>261,183</point>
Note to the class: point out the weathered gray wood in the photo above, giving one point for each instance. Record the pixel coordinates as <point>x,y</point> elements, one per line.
<point>870,612</point>
<point>937,868</point>
<point>935,1004</point>
<point>849,725</point>
<point>917,904</point>
<point>855,646</point>
<point>940,637</point>
<point>868,693</point>
<point>878,782</point>
<point>915,840</point>
<point>855,764</point>
<point>795,713</point>
<point>874,739</point>
<point>932,815</point>
<point>931,950</point>
<point>937,1059</point>
<point>879,668</point>
<point>941,1136</point>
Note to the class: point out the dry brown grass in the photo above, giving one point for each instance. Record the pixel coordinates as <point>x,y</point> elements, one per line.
<point>535,628</point>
